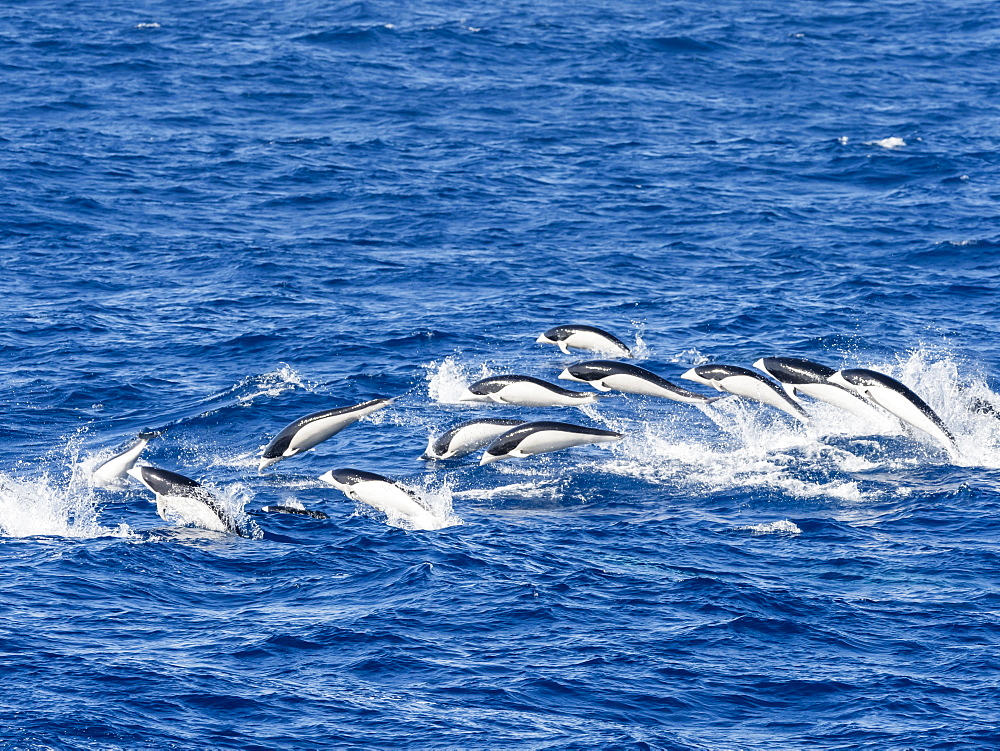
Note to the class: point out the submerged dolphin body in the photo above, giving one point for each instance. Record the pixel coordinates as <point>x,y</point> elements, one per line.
<point>609,375</point>
<point>746,383</point>
<point>589,338</point>
<point>525,391</point>
<point>293,507</point>
<point>113,471</point>
<point>898,399</point>
<point>799,376</point>
<point>311,430</point>
<point>181,499</point>
<point>541,437</point>
<point>382,494</point>
<point>466,437</point>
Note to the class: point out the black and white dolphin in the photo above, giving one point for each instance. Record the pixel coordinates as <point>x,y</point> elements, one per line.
<point>294,507</point>
<point>382,494</point>
<point>466,437</point>
<point>311,430</point>
<point>181,499</point>
<point>608,375</point>
<point>541,437</point>
<point>525,391</point>
<point>113,471</point>
<point>589,338</point>
<point>896,398</point>
<point>748,384</point>
<point>799,376</point>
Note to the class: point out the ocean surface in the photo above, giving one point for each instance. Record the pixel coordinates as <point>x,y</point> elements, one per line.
<point>218,217</point>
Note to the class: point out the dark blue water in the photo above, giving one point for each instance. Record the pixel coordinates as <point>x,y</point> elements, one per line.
<point>218,217</point>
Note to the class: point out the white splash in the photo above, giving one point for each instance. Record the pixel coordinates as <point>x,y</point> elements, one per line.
<point>758,453</point>
<point>893,142</point>
<point>234,499</point>
<point>273,383</point>
<point>691,358</point>
<point>965,403</point>
<point>241,460</point>
<point>62,506</point>
<point>744,445</point>
<point>447,379</point>
<point>538,489</point>
<point>437,500</point>
<point>783,527</point>
<point>640,350</point>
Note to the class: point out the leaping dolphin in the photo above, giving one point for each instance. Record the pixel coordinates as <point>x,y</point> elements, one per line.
<point>541,437</point>
<point>466,437</point>
<point>744,382</point>
<point>608,375</point>
<point>382,494</point>
<point>311,430</point>
<point>589,338</point>
<point>111,472</point>
<point>181,499</point>
<point>525,391</point>
<point>896,398</point>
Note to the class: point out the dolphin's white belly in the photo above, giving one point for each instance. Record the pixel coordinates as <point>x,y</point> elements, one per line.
<point>113,470</point>
<point>526,394</point>
<point>468,439</point>
<point>316,432</point>
<point>631,384</point>
<point>554,440</point>
<point>592,342</point>
<point>752,388</point>
<point>838,397</point>
<point>186,511</point>
<point>906,411</point>
<point>392,501</point>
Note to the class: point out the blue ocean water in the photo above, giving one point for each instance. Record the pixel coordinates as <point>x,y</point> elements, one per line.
<point>219,217</point>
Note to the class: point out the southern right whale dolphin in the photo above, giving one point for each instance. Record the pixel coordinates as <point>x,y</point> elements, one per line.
<point>898,399</point>
<point>181,499</point>
<point>525,391</point>
<point>112,471</point>
<point>746,383</point>
<point>311,430</point>
<point>584,337</point>
<point>382,494</point>
<point>466,437</point>
<point>541,437</point>
<point>294,507</point>
<point>608,375</point>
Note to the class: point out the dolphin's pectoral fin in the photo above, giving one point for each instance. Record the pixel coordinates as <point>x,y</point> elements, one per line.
<point>599,385</point>
<point>563,348</point>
